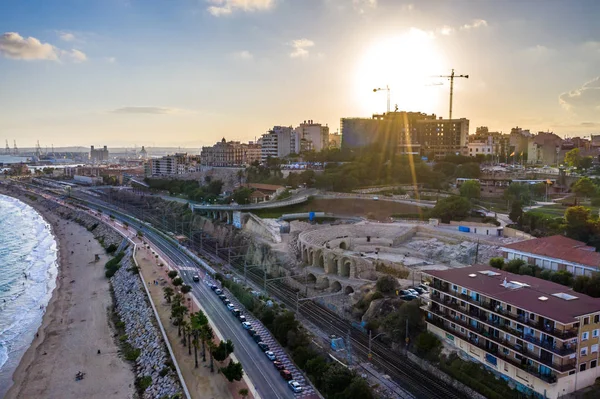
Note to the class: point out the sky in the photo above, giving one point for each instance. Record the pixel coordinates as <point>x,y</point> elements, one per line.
<point>189,72</point>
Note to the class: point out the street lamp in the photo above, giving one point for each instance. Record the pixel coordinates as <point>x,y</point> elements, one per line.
<point>387,88</point>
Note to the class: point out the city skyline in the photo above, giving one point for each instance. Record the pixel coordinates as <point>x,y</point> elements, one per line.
<point>187,73</point>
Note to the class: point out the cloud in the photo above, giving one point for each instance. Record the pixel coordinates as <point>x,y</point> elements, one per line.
<point>228,7</point>
<point>300,47</point>
<point>66,36</point>
<point>16,47</point>
<point>111,60</point>
<point>446,30</point>
<point>243,55</point>
<point>148,110</point>
<point>361,6</point>
<point>583,101</point>
<point>476,23</point>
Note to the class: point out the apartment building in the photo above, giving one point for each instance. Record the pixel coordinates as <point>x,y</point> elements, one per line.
<point>167,165</point>
<point>230,153</point>
<point>540,336</point>
<point>556,253</point>
<point>313,136</point>
<point>279,142</point>
<point>440,137</point>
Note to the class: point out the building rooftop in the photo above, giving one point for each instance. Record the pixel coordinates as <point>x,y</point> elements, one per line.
<point>542,297</point>
<point>559,247</point>
<point>264,187</point>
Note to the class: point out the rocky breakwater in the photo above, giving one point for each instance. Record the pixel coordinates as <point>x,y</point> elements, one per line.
<point>154,373</point>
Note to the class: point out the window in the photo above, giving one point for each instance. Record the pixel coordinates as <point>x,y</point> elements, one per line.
<point>462,330</point>
<point>452,325</point>
<point>593,364</point>
<point>597,319</point>
<point>585,336</point>
<point>454,288</point>
<point>507,337</point>
<point>595,333</point>
<point>508,308</point>
<point>582,367</point>
<point>532,316</point>
<point>584,351</point>
<point>595,348</point>
<point>586,321</point>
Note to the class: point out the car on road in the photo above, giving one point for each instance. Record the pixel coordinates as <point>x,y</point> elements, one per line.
<point>286,375</point>
<point>218,291</point>
<point>242,318</point>
<point>270,355</point>
<point>278,365</point>
<point>246,325</point>
<point>375,198</point>
<point>230,306</point>
<point>196,278</point>
<point>251,332</point>
<point>257,338</point>
<point>295,386</point>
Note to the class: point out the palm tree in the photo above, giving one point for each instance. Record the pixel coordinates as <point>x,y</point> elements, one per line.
<point>196,342</point>
<point>206,334</point>
<point>188,330</point>
<point>211,347</point>
<point>183,324</point>
<point>168,293</point>
<point>197,320</point>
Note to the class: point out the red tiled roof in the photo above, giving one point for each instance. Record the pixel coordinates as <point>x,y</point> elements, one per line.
<point>527,297</point>
<point>257,194</point>
<point>559,247</point>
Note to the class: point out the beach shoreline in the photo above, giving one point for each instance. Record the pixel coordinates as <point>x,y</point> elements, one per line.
<point>47,368</point>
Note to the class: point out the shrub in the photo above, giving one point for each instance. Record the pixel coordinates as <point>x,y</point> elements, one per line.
<point>562,277</point>
<point>172,274</point>
<point>142,383</point>
<point>111,248</point>
<point>497,263</point>
<point>165,370</point>
<point>513,266</point>
<point>386,284</point>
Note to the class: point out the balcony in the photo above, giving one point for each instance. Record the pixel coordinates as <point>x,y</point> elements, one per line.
<point>499,324</point>
<point>563,335</point>
<point>520,349</point>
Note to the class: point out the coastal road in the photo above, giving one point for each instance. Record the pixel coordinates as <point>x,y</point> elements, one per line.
<point>259,369</point>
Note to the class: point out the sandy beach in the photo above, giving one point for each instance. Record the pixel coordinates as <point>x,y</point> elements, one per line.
<point>74,327</point>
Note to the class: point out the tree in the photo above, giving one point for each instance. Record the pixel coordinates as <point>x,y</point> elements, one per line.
<point>242,195</point>
<point>185,289</point>
<point>386,284</point>
<point>577,223</point>
<point>358,389</point>
<point>395,322</point>
<point>562,277</point>
<point>282,324</point>
<point>451,208</point>
<point>497,263</point>
<point>470,170</point>
<point>168,291</point>
<point>233,371</point>
<point>572,158</point>
<point>516,212</point>
<point>206,335</point>
<point>471,189</point>
<point>172,274</point>
<point>177,281</point>
<point>198,320</point>
<point>584,188</point>
<point>243,393</point>
<point>513,265</point>
<point>428,345</point>
<point>221,351</point>
<point>210,345</point>
<point>337,378</point>
<point>585,163</point>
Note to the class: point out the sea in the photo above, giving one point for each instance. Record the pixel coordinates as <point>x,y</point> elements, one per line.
<point>28,271</point>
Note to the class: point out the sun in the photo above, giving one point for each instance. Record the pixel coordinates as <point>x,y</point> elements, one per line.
<point>408,64</point>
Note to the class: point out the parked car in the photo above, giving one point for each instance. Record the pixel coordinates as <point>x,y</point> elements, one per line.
<point>418,289</point>
<point>257,338</point>
<point>246,325</point>
<point>295,386</point>
<point>408,297</point>
<point>242,318</point>
<point>413,292</point>
<point>424,287</point>
<point>278,365</point>
<point>222,297</point>
<point>218,291</point>
<point>236,312</point>
<point>213,287</point>
<point>196,278</point>
<point>263,347</point>
<point>286,375</point>
<point>404,292</point>
<point>251,332</point>
<point>226,301</point>
<point>270,355</point>
<point>230,307</point>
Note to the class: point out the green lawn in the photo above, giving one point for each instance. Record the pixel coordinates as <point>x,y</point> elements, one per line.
<point>557,211</point>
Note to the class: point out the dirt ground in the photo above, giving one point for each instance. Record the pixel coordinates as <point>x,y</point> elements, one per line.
<point>201,383</point>
<point>75,326</point>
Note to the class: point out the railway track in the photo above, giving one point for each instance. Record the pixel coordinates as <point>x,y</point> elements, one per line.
<point>417,381</point>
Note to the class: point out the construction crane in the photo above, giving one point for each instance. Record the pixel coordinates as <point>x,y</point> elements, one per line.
<point>15,150</point>
<point>7,149</point>
<point>451,77</point>
<point>387,88</point>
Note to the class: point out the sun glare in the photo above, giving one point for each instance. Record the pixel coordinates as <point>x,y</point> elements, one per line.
<point>407,64</point>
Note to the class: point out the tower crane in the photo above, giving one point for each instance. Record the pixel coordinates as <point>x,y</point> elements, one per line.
<point>15,149</point>
<point>451,78</point>
<point>7,149</point>
<point>387,88</point>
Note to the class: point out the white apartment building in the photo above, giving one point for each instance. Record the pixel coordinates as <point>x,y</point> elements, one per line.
<point>477,148</point>
<point>167,165</point>
<point>279,142</point>
<point>313,136</point>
